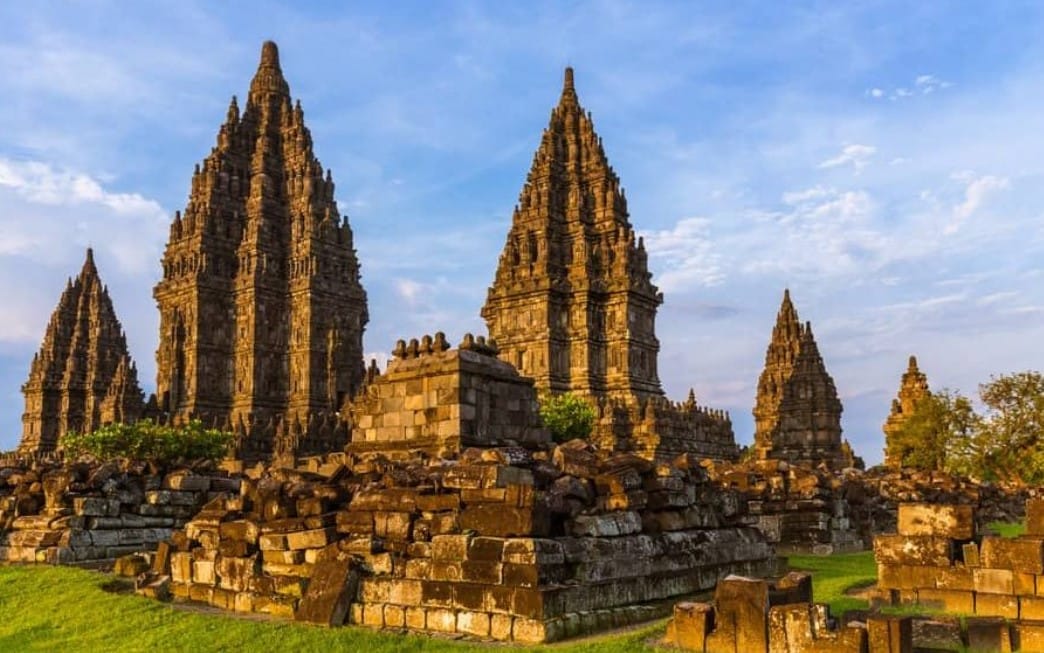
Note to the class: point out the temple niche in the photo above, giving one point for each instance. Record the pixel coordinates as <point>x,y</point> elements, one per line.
<point>261,307</point>
<point>573,304</point>
<point>913,387</point>
<point>797,413</point>
<point>83,376</point>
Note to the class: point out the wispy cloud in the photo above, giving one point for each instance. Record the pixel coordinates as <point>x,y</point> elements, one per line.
<point>858,156</point>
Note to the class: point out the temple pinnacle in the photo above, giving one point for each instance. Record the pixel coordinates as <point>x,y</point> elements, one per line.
<point>568,83</point>
<point>270,54</point>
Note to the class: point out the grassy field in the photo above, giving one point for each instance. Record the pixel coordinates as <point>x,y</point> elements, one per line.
<point>59,608</point>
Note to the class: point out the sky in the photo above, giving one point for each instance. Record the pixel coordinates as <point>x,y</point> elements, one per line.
<point>883,160</point>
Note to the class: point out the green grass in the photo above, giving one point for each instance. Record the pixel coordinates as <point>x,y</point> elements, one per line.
<point>833,575</point>
<point>1007,529</point>
<point>61,608</point>
<point>66,609</point>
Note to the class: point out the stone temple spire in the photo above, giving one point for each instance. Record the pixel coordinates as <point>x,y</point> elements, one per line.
<point>573,304</point>
<point>913,387</point>
<point>797,413</point>
<point>82,376</point>
<point>261,307</point>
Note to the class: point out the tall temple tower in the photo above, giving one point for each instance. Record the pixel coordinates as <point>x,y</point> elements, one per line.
<point>797,414</point>
<point>83,376</point>
<point>261,307</point>
<point>913,387</point>
<point>573,304</point>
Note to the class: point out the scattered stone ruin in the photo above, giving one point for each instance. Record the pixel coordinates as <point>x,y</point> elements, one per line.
<point>913,387</point>
<point>504,543</point>
<point>76,513</point>
<point>797,414</point>
<point>573,305</point>
<point>83,376</point>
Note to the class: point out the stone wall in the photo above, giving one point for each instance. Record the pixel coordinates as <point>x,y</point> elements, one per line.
<point>503,544</point>
<point>438,400</point>
<point>801,509</point>
<point>88,513</point>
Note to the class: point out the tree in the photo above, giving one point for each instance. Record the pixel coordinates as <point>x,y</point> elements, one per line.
<point>1010,440</point>
<point>567,416</point>
<point>147,440</point>
<point>935,435</point>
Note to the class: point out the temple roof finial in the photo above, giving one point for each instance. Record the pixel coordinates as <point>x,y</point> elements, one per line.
<point>270,54</point>
<point>568,83</point>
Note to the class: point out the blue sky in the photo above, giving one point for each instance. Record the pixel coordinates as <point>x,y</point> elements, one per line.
<point>884,160</point>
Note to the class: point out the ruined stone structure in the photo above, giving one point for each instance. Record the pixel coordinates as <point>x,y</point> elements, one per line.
<point>438,400</point>
<point>912,389</point>
<point>939,560</point>
<point>573,304</point>
<point>797,413</point>
<point>83,376</point>
<point>261,308</point>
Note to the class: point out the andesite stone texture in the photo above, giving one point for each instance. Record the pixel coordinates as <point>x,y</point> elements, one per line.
<point>912,388</point>
<point>573,305</point>
<point>83,376</point>
<point>797,413</point>
<point>261,308</point>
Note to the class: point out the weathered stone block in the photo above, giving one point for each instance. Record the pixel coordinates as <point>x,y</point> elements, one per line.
<point>331,589</point>
<point>1029,636</point>
<point>441,620</point>
<point>997,605</point>
<point>961,602</point>
<point>889,634</point>
<point>938,520</point>
<point>476,624</point>
<point>1024,554</point>
<point>310,539</point>
<point>1031,608</point>
<point>913,550</point>
<point>993,581</point>
<point>690,625</point>
<point>988,634</point>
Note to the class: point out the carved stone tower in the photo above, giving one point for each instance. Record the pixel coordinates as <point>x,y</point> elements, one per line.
<point>573,304</point>
<point>261,308</point>
<point>797,414</point>
<point>83,376</point>
<point>912,389</point>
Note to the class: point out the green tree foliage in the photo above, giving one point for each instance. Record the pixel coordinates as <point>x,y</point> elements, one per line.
<point>146,440</point>
<point>567,416</point>
<point>937,432</point>
<point>1005,442</point>
<point>1010,440</point>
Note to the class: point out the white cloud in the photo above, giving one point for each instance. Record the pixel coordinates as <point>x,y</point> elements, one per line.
<point>976,192</point>
<point>930,83</point>
<point>411,291</point>
<point>685,254</point>
<point>856,155</point>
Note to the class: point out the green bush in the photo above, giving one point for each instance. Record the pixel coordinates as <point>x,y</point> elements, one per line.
<point>567,416</point>
<point>146,440</point>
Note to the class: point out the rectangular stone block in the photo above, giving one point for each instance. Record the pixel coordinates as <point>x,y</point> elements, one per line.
<point>181,567</point>
<point>441,620</point>
<point>310,539</point>
<point>961,602</point>
<point>1031,608</point>
<point>913,550</point>
<point>1035,517</point>
<point>993,581</point>
<point>988,634</point>
<point>1029,636</point>
<point>939,520</point>
<point>330,591</point>
<point>476,624</point>
<point>997,605</point>
<point>690,625</point>
<point>889,634</point>
<point>1024,554</point>
<point>449,548</point>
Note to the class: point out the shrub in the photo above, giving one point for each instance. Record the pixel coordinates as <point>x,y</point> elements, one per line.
<point>567,416</point>
<point>146,440</point>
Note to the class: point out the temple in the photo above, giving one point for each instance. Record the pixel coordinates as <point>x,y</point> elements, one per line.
<point>912,388</point>
<point>261,308</point>
<point>797,413</point>
<point>573,305</point>
<point>83,376</point>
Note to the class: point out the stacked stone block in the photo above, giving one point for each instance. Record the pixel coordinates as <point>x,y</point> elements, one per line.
<point>936,560</point>
<point>437,400</point>
<point>798,508</point>
<point>503,544</point>
<point>83,513</point>
<point>756,616</point>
